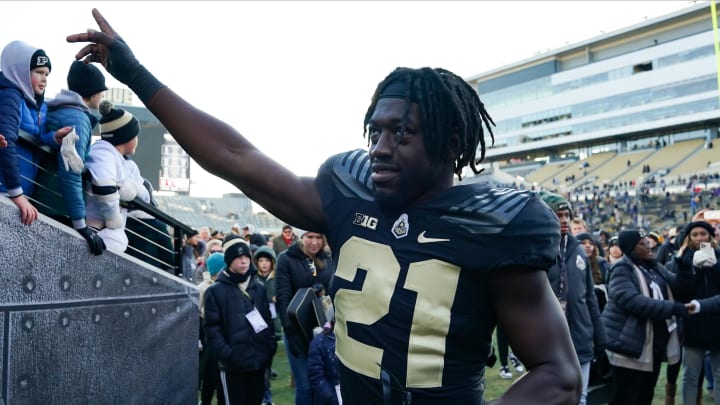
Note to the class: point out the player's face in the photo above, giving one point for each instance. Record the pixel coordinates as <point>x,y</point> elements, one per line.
<point>38,79</point>
<point>402,171</point>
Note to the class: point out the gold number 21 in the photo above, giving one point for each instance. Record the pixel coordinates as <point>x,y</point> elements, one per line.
<point>435,283</point>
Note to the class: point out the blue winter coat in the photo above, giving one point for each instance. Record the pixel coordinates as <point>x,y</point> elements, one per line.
<point>230,336</point>
<point>323,368</point>
<point>22,113</point>
<point>18,159</point>
<point>67,109</point>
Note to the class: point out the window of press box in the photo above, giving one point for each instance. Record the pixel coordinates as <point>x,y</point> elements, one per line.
<point>642,67</point>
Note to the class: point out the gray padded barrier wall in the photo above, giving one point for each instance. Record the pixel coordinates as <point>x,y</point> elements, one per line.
<point>84,329</point>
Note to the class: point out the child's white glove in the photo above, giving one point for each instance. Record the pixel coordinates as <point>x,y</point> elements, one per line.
<point>702,259</point>
<point>69,154</point>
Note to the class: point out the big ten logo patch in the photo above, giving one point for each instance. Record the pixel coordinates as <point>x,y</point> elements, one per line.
<point>366,221</point>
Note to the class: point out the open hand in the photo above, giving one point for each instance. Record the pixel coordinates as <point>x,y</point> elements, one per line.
<point>61,133</point>
<point>107,48</point>
<point>28,213</point>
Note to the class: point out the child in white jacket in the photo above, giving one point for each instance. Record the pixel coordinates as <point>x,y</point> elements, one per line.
<point>114,176</point>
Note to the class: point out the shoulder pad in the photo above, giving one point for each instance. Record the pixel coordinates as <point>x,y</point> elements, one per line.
<point>484,210</point>
<point>351,174</point>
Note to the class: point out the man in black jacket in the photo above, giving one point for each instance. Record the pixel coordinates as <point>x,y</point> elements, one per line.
<point>571,280</point>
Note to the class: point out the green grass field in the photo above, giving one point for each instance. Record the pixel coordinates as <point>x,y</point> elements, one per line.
<point>494,385</point>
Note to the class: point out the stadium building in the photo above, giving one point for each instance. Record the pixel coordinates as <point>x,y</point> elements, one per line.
<point>633,104</point>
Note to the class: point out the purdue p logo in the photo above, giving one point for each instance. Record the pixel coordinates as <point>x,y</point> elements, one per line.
<point>42,61</point>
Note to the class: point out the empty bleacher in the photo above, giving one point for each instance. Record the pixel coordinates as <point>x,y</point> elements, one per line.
<point>664,158</point>
<point>221,215</point>
<point>581,169</point>
<point>547,172</point>
<point>617,165</point>
<point>695,163</point>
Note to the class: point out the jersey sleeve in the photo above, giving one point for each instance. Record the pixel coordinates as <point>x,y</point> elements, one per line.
<point>531,239</point>
<point>346,175</point>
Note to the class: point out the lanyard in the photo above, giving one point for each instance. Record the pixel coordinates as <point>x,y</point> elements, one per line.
<point>562,293</point>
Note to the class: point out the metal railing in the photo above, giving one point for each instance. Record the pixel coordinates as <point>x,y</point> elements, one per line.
<point>145,235</point>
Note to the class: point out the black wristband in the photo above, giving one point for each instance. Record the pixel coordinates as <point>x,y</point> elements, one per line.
<point>144,84</point>
<point>12,197</point>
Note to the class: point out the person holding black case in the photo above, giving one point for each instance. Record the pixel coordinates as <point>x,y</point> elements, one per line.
<point>306,263</point>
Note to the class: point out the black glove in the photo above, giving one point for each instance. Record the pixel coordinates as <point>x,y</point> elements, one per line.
<point>96,244</point>
<point>123,65</point>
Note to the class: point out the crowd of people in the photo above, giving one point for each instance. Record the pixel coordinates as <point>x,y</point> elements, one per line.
<point>419,271</point>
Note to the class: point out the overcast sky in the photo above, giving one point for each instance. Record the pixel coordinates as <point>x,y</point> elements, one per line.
<point>296,77</point>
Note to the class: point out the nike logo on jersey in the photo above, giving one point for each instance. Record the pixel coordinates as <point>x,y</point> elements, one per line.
<point>424,239</point>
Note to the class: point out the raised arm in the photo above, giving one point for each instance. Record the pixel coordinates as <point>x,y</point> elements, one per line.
<point>538,333</point>
<point>215,145</point>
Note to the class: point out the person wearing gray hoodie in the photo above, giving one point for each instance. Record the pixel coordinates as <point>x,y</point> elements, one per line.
<point>23,79</point>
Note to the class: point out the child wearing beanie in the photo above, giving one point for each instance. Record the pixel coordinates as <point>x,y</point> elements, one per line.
<point>22,115</point>
<point>114,176</point>
<point>62,197</point>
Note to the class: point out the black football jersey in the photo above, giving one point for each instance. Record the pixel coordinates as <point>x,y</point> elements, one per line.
<point>410,290</point>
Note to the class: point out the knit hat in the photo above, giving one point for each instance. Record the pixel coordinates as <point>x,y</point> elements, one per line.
<point>215,263</point>
<point>85,79</point>
<point>556,202</point>
<point>698,224</point>
<point>264,251</point>
<point>235,251</point>
<point>117,126</point>
<point>584,236</point>
<point>40,59</point>
<point>231,240</point>
<point>613,241</point>
<point>627,239</point>
<point>654,235</point>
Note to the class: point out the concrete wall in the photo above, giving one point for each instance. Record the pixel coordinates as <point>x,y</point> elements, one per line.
<point>83,329</point>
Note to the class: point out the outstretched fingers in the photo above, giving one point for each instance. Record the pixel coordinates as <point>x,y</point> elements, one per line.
<point>93,50</point>
<point>103,24</point>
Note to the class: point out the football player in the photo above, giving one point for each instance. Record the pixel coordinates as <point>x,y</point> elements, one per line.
<point>425,269</point>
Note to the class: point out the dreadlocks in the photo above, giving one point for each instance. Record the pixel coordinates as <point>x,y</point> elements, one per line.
<point>448,105</point>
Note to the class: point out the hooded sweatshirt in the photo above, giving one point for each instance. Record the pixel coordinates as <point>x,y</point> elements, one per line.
<point>21,114</point>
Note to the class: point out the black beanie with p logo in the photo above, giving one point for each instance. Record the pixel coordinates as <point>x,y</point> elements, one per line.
<point>40,59</point>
